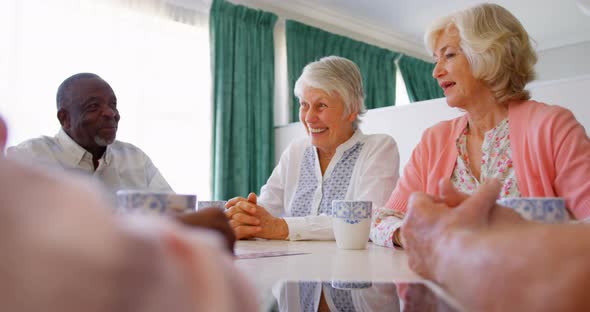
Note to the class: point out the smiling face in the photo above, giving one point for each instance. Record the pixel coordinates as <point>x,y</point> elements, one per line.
<point>323,116</point>
<point>453,72</point>
<point>90,116</point>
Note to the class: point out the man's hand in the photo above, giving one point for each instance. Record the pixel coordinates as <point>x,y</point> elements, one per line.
<point>211,218</point>
<point>251,220</point>
<point>498,216</point>
<point>424,223</point>
<point>430,220</point>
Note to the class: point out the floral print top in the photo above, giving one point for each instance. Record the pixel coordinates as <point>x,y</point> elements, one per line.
<point>496,162</point>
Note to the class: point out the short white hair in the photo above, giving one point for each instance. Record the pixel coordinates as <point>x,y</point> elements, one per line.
<point>335,74</point>
<point>496,45</point>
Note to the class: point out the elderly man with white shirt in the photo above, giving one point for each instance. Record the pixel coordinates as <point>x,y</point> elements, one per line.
<point>89,118</point>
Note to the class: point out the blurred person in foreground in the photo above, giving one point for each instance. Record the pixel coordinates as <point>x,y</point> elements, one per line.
<point>88,113</point>
<point>484,59</point>
<point>64,251</point>
<point>336,161</point>
<point>467,244</point>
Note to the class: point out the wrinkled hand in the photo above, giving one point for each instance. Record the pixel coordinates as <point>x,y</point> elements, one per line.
<point>430,220</point>
<point>248,220</point>
<point>211,218</point>
<point>498,216</point>
<point>234,201</point>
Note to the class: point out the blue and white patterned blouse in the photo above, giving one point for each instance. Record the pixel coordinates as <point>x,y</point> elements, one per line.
<point>366,167</point>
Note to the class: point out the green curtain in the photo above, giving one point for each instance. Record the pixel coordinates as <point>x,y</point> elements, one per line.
<point>243,90</point>
<point>306,44</point>
<point>418,78</point>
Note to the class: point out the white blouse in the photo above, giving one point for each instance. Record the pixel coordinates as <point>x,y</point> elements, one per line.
<point>366,167</point>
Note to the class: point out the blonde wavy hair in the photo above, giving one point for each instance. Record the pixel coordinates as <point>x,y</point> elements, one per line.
<point>496,45</point>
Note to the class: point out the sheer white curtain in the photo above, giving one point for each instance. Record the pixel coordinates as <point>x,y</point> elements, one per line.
<point>154,55</point>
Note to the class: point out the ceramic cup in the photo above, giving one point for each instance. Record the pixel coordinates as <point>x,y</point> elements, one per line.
<point>349,285</point>
<point>145,202</point>
<point>351,221</point>
<point>203,204</point>
<point>540,209</point>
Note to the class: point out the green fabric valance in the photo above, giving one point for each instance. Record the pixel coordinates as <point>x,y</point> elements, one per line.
<point>418,78</point>
<point>306,44</point>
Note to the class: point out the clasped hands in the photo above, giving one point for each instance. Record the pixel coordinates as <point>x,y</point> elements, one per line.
<point>249,220</point>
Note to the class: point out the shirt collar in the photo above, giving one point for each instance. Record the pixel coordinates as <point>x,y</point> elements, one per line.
<point>356,136</point>
<point>108,154</point>
<point>340,150</point>
<point>75,152</point>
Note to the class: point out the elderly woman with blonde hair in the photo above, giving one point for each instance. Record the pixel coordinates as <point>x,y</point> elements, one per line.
<point>484,59</point>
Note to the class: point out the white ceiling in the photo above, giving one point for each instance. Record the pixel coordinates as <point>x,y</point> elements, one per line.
<point>551,23</point>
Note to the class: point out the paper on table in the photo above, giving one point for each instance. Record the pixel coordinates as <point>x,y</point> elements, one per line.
<point>254,255</point>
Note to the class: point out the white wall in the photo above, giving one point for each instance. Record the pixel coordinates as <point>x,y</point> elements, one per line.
<point>571,93</point>
<point>564,62</point>
<point>406,123</point>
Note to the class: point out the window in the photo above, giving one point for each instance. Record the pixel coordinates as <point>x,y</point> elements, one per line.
<point>158,68</point>
<point>401,93</point>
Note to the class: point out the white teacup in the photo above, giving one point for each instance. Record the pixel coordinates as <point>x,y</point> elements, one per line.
<point>204,204</point>
<point>540,209</point>
<point>351,221</point>
<point>145,202</point>
<point>350,285</point>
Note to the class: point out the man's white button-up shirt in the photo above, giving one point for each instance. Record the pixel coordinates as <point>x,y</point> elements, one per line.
<point>123,165</point>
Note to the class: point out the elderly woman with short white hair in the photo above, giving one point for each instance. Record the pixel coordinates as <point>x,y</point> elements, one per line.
<point>336,161</point>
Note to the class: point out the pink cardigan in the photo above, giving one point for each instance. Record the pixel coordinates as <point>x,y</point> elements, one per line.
<point>550,153</point>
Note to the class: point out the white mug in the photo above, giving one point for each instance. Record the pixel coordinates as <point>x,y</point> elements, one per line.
<point>351,221</point>
<point>154,203</point>
<point>204,204</point>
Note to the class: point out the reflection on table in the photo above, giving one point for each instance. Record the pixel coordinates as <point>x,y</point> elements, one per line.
<point>335,296</point>
<point>356,296</point>
<point>297,273</point>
